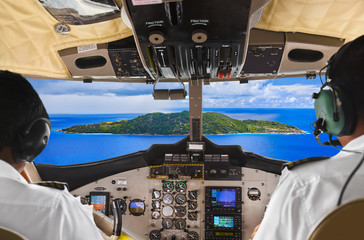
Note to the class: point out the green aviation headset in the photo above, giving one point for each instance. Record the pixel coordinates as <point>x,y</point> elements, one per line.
<point>334,110</point>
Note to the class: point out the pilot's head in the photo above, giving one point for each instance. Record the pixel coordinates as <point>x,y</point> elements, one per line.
<point>346,70</point>
<point>340,108</point>
<point>24,122</point>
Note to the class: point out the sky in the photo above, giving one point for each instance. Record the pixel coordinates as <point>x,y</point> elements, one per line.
<point>101,98</point>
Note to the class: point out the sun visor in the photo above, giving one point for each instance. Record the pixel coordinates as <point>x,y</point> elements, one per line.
<point>339,19</point>
<point>29,42</point>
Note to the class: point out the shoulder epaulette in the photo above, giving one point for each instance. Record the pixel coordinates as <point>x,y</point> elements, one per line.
<point>53,184</point>
<point>300,162</point>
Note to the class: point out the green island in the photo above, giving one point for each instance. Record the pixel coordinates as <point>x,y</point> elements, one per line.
<point>178,124</point>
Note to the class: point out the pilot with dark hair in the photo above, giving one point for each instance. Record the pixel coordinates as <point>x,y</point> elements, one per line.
<point>34,211</point>
<point>306,193</point>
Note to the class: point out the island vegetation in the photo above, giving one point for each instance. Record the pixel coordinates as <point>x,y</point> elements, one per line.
<point>178,124</point>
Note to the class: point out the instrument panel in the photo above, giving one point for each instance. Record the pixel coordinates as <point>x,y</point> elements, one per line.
<point>182,208</point>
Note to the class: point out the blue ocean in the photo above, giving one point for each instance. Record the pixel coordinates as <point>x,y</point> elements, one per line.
<point>64,149</point>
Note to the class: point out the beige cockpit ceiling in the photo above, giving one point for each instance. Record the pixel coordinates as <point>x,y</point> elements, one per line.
<point>29,44</point>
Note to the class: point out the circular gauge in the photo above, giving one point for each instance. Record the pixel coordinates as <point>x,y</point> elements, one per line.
<point>192,195</point>
<point>156,204</point>
<point>156,194</point>
<point>192,205</point>
<point>167,198</point>
<point>156,215</point>
<point>167,211</point>
<point>192,216</point>
<point>254,194</point>
<point>137,207</point>
<point>181,186</point>
<point>192,235</point>
<point>155,235</point>
<point>167,186</point>
<point>122,205</point>
<point>181,199</point>
<point>167,223</point>
<point>180,211</point>
<point>180,223</point>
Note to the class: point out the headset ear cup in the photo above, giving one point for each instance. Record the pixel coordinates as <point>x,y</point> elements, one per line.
<point>31,142</point>
<point>325,108</point>
<point>349,113</point>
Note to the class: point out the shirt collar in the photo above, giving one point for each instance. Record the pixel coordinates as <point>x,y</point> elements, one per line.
<point>356,144</point>
<point>7,171</point>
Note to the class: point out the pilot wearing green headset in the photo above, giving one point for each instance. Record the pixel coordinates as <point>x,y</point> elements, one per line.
<point>311,188</point>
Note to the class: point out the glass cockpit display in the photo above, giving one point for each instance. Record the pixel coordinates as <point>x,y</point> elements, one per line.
<point>223,197</point>
<point>100,201</point>
<point>223,221</point>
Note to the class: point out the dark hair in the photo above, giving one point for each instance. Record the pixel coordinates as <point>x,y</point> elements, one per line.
<point>347,72</point>
<point>19,105</point>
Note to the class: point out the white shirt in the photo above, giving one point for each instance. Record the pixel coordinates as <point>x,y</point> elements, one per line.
<point>307,193</point>
<point>42,213</point>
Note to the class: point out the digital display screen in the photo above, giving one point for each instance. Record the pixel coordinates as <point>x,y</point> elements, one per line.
<point>223,197</point>
<point>224,234</point>
<point>224,221</point>
<point>99,203</point>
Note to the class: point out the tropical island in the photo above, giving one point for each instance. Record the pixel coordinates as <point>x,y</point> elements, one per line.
<point>178,124</point>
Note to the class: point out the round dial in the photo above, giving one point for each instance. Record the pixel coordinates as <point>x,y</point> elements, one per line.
<point>155,235</point>
<point>192,205</point>
<point>122,204</point>
<point>156,215</point>
<point>181,199</point>
<point>156,194</point>
<point>180,211</point>
<point>180,223</point>
<point>192,195</point>
<point>167,186</point>
<point>167,223</point>
<point>192,235</point>
<point>181,186</point>
<point>167,211</point>
<point>192,216</point>
<point>254,194</point>
<point>137,207</point>
<point>167,198</point>
<point>156,204</point>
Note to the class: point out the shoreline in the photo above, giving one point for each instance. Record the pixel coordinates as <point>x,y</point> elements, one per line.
<point>222,134</point>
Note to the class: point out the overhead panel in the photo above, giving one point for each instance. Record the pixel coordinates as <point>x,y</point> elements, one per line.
<point>191,39</point>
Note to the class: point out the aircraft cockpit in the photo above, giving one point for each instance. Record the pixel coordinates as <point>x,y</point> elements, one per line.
<point>193,189</point>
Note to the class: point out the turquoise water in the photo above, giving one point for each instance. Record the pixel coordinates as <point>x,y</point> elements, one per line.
<point>81,148</point>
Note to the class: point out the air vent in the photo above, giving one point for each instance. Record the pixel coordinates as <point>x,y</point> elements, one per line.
<point>90,62</point>
<point>305,55</point>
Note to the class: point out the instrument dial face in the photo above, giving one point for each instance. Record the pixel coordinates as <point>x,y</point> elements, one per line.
<point>155,235</point>
<point>167,198</point>
<point>156,215</point>
<point>254,194</point>
<point>192,205</point>
<point>156,204</point>
<point>167,211</point>
<point>137,207</point>
<point>181,199</point>
<point>192,195</point>
<point>180,211</point>
<point>181,187</point>
<point>167,223</point>
<point>167,186</point>
<point>192,216</point>
<point>192,235</point>
<point>156,194</point>
<point>180,224</point>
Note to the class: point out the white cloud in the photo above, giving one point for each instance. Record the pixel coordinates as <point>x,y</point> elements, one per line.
<point>71,103</point>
